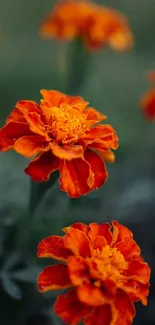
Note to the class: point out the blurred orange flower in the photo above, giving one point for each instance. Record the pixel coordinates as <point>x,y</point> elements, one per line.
<point>63,132</point>
<point>96,24</point>
<point>103,269</point>
<point>147,101</point>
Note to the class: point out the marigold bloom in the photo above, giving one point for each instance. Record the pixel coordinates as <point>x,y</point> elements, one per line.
<point>103,269</point>
<point>147,102</point>
<point>96,24</point>
<point>62,131</point>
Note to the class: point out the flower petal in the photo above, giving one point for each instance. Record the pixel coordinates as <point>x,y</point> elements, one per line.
<point>100,315</point>
<point>139,271</point>
<point>42,167</point>
<point>128,247</point>
<point>28,106</point>
<point>67,152</point>
<point>94,115</point>
<point>119,232</point>
<point>99,242</point>
<point>16,116</point>
<point>124,308</point>
<point>91,295</point>
<point>54,277</point>
<point>98,168</point>
<point>77,242</point>
<point>100,230</point>
<point>11,132</point>
<point>123,231</point>
<point>78,225</point>
<point>29,146</point>
<point>53,247</point>
<point>70,309</point>
<point>56,97</point>
<point>137,291</point>
<point>36,124</point>
<point>78,270</point>
<point>75,177</point>
<point>103,132</point>
<point>108,155</point>
<point>53,96</point>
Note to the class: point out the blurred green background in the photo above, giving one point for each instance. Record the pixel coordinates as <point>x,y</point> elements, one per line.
<point>114,82</point>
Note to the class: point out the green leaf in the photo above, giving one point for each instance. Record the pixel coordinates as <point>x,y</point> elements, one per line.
<point>28,274</point>
<point>10,287</point>
<point>11,261</point>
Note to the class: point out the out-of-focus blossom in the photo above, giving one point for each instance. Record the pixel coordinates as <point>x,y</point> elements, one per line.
<point>95,24</point>
<point>147,101</point>
<point>64,133</point>
<point>104,270</point>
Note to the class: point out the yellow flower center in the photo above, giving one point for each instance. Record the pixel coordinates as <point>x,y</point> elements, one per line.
<point>67,124</point>
<point>109,264</point>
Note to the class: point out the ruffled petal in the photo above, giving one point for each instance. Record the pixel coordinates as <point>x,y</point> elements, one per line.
<point>78,225</point>
<point>108,155</point>
<point>36,124</point>
<point>29,146</point>
<point>103,132</point>
<point>56,98</point>
<point>119,231</point>
<point>42,167</point>
<point>97,167</point>
<point>54,277</point>
<point>78,270</point>
<point>139,271</point>
<point>100,315</point>
<point>70,309</point>
<point>93,115</point>
<point>53,247</point>
<point>99,242</point>
<point>11,132</point>
<point>128,247</point>
<point>91,295</point>
<point>53,96</point>
<point>16,116</point>
<point>28,106</point>
<point>76,177</point>
<point>67,152</point>
<point>124,309</point>
<point>77,242</point>
<point>137,291</point>
<point>100,230</point>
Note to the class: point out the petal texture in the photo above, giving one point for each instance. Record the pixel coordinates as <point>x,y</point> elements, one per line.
<point>54,277</point>
<point>53,246</point>
<point>42,167</point>
<point>70,309</point>
<point>75,176</point>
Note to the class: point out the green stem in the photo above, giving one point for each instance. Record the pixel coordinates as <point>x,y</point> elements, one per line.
<point>78,64</point>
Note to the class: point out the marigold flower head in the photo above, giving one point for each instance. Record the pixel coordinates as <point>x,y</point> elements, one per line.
<point>147,101</point>
<point>104,270</point>
<point>95,24</point>
<point>63,132</point>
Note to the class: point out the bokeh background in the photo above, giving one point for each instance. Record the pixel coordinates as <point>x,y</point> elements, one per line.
<point>113,84</point>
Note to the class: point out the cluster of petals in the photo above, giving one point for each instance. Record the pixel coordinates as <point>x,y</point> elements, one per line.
<point>103,269</point>
<point>95,24</point>
<point>147,102</point>
<point>61,133</point>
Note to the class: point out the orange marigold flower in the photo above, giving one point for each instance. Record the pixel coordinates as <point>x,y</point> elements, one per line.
<point>103,269</point>
<point>96,24</point>
<point>147,101</point>
<point>63,132</point>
